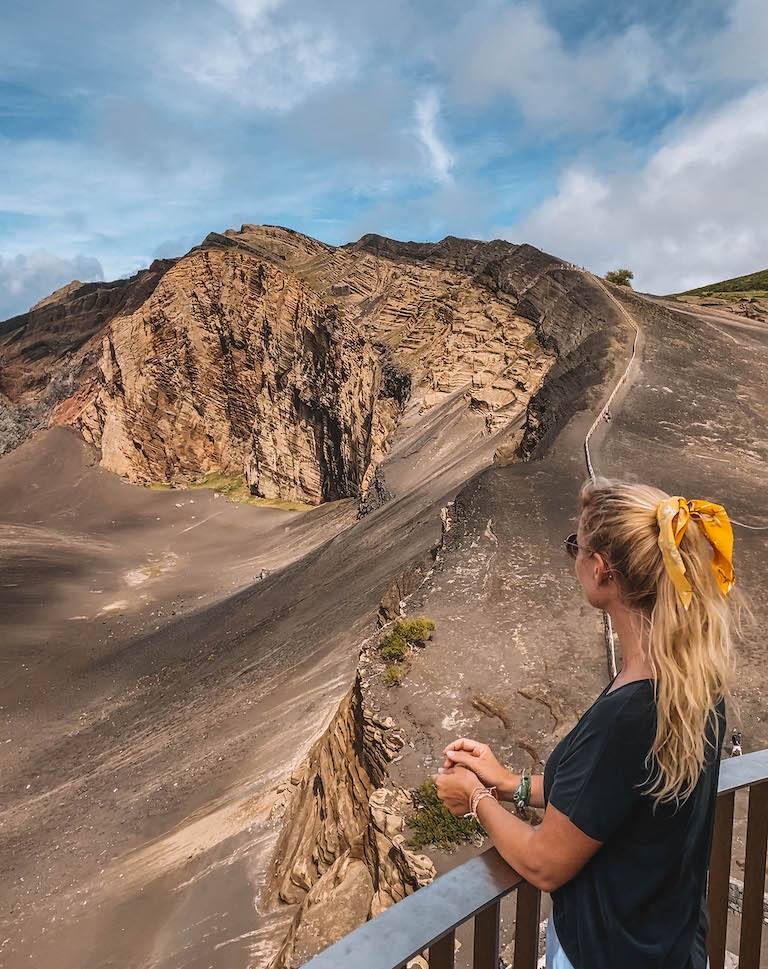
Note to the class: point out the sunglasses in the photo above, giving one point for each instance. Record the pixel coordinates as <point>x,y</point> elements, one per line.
<point>572,546</point>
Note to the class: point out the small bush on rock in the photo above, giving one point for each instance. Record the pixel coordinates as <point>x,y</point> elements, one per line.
<point>433,823</point>
<point>416,630</point>
<point>393,675</point>
<point>394,647</point>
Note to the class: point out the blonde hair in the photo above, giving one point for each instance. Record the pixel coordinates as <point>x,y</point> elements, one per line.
<point>689,651</point>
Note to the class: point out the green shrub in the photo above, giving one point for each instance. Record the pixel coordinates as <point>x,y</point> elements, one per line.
<point>393,675</point>
<point>620,277</point>
<point>393,648</point>
<point>416,630</point>
<point>433,823</point>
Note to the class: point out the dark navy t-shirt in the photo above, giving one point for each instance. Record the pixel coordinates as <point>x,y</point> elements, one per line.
<point>638,902</point>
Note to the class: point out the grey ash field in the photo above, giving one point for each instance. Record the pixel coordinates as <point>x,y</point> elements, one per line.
<point>166,703</point>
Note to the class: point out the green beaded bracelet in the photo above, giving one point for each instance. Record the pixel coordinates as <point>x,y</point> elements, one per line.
<point>522,795</point>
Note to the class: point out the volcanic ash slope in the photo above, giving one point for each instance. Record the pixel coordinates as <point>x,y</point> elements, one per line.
<point>173,793</point>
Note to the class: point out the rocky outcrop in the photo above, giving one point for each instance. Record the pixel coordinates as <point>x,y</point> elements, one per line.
<point>47,354</point>
<point>234,365</point>
<point>268,354</point>
<point>340,854</point>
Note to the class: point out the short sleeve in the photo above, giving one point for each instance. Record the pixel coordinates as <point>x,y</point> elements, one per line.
<point>599,779</point>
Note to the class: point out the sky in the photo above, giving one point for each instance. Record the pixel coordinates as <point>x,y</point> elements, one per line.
<point>612,135</point>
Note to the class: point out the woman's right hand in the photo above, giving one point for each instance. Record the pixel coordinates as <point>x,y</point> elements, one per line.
<point>480,760</point>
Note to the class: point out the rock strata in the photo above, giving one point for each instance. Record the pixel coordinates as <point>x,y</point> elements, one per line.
<point>268,354</point>
<point>341,855</point>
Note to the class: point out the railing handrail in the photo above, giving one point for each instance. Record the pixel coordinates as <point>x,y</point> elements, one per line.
<point>738,772</point>
<point>421,919</point>
<point>405,929</point>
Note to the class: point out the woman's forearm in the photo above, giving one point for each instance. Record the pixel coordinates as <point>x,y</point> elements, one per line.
<point>516,842</point>
<point>506,791</point>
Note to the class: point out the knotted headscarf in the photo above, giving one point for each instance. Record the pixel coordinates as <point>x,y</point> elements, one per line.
<point>673,515</point>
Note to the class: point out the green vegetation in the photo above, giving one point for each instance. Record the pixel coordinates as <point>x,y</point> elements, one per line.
<point>754,284</point>
<point>234,487</point>
<point>415,630</point>
<point>393,675</point>
<point>433,823</point>
<point>393,647</point>
<point>619,277</point>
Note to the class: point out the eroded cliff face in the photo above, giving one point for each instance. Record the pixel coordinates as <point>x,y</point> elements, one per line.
<point>268,354</point>
<point>235,366</point>
<point>48,354</point>
<point>341,857</point>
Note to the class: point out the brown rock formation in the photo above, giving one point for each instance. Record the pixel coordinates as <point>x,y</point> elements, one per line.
<point>272,355</point>
<point>340,853</point>
<point>234,365</point>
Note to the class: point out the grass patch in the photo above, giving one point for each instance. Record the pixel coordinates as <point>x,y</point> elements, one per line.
<point>394,647</point>
<point>416,630</point>
<point>234,488</point>
<point>433,823</point>
<point>753,283</point>
<point>393,675</point>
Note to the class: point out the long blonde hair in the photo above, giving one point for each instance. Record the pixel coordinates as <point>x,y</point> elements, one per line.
<point>689,651</point>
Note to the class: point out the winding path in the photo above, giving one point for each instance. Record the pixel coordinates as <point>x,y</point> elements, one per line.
<point>610,642</point>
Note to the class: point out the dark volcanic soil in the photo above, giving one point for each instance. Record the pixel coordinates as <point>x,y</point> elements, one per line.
<point>143,737</point>
<point>144,728</point>
<point>517,654</point>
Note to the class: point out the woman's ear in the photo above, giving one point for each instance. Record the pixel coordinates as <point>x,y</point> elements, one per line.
<point>603,572</point>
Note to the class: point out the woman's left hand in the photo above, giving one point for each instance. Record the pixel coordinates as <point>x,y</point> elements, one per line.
<point>455,786</point>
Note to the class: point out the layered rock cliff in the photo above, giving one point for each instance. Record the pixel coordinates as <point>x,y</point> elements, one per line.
<point>341,855</point>
<point>268,354</point>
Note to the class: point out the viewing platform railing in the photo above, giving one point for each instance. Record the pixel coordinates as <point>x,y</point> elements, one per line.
<point>428,919</point>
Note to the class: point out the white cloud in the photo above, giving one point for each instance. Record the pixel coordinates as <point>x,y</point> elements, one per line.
<point>696,212</point>
<point>254,59</point>
<point>25,279</point>
<point>514,51</point>
<point>426,112</point>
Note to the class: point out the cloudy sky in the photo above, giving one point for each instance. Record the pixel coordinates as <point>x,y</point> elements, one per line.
<point>631,134</point>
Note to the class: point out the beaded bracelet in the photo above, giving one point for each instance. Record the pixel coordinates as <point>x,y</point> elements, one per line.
<point>476,797</point>
<point>522,796</point>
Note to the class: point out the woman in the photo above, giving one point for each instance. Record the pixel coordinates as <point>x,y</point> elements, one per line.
<point>630,793</point>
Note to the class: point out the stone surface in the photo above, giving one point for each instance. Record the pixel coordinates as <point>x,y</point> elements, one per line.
<point>272,355</point>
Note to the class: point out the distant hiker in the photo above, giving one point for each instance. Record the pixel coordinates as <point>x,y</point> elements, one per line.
<point>629,794</point>
<point>736,750</point>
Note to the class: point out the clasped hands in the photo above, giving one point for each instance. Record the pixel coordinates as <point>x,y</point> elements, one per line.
<point>468,765</point>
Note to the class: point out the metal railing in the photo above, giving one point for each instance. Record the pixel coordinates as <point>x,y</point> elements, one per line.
<point>749,771</point>
<point>428,919</point>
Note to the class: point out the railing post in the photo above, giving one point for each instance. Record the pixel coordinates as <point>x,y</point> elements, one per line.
<point>719,880</point>
<point>527,927</point>
<point>754,878</point>
<point>487,931</point>
<point>441,952</point>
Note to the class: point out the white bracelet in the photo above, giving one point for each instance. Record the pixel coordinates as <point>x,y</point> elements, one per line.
<point>476,797</point>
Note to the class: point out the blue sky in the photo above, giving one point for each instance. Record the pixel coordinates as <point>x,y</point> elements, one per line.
<point>611,135</point>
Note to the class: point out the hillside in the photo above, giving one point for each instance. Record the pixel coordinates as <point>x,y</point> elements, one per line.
<point>199,736</point>
<point>752,284</point>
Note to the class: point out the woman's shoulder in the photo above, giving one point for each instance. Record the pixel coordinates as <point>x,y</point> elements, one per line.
<point>625,709</point>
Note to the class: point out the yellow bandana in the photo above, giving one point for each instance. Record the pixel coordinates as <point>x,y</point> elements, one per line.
<point>673,515</point>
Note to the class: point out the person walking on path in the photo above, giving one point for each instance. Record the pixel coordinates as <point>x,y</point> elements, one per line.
<point>629,794</point>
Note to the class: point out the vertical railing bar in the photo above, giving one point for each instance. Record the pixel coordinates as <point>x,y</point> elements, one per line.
<point>441,952</point>
<point>754,878</point>
<point>719,875</point>
<point>487,932</point>
<point>527,927</point>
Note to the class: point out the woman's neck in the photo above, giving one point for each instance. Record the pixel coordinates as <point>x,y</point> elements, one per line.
<point>629,626</point>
